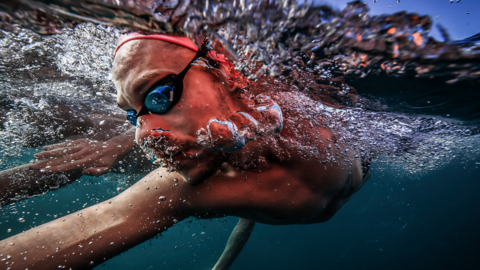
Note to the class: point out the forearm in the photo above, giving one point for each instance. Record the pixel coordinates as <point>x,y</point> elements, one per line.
<point>95,158</point>
<point>124,142</point>
<point>95,234</point>
<point>235,244</point>
<point>21,182</point>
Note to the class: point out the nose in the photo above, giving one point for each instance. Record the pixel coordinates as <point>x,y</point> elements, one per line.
<point>151,125</point>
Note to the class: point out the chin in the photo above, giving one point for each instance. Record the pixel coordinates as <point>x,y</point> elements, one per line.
<point>195,171</point>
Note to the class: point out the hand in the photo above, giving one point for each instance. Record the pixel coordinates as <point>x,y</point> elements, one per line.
<point>93,157</point>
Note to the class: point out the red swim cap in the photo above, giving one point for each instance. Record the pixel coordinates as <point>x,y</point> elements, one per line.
<point>182,41</point>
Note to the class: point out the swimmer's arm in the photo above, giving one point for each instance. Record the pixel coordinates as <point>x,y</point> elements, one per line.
<point>235,244</point>
<point>93,235</point>
<point>93,157</point>
<point>25,181</point>
<point>20,182</point>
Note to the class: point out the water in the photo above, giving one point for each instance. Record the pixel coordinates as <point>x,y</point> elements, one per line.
<point>417,115</point>
<point>396,225</point>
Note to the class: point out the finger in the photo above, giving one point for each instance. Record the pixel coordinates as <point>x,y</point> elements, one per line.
<point>96,171</point>
<point>58,145</point>
<point>47,164</point>
<point>64,167</point>
<point>34,166</point>
<point>40,165</point>
<point>67,161</point>
<point>57,152</point>
<point>63,144</point>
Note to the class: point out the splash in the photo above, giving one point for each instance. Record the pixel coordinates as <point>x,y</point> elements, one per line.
<point>232,135</point>
<point>309,54</point>
<point>416,145</point>
<point>272,38</point>
<point>271,32</point>
<point>52,85</point>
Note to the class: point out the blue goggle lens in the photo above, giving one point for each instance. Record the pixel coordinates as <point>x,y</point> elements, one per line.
<point>159,99</point>
<point>131,116</point>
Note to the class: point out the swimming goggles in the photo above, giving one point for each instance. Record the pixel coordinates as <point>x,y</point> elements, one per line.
<point>167,92</point>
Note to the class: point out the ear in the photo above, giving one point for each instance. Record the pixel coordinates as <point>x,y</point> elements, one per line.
<point>235,87</point>
<point>236,82</point>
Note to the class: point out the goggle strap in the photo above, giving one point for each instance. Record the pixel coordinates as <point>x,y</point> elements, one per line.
<point>178,81</point>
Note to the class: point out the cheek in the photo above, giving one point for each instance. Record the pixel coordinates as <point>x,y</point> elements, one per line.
<point>183,121</point>
<point>150,125</point>
<point>205,98</point>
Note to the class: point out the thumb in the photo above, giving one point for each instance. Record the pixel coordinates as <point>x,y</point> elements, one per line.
<point>96,171</point>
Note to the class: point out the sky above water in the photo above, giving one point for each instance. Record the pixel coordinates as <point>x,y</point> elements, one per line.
<point>461,19</point>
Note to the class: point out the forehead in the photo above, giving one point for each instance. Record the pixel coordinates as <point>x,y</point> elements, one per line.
<point>145,53</point>
<point>140,62</point>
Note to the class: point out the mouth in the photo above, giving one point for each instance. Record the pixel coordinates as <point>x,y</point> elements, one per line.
<point>168,152</point>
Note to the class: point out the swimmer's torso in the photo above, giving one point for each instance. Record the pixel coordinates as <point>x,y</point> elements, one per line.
<point>296,188</point>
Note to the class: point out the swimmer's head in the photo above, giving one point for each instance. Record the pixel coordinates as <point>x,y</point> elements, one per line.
<point>205,121</point>
<point>143,63</point>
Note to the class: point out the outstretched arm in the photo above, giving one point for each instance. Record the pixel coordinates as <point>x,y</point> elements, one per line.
<point>93,157</point>
<point>61,164</point>
<point>235,244</point>
<point>20,182</point>
<point>89,237</point>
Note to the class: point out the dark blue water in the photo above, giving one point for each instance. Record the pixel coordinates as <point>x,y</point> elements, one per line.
<point>393,222</point>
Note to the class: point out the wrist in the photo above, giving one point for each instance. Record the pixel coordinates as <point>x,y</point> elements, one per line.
<point>123,143</point>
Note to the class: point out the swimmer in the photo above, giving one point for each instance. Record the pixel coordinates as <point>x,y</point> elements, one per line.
<point>65,162</point>
<point>229,150</point>
<point>237,240</point>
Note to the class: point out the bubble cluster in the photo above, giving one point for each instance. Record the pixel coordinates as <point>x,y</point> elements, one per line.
<point>231,135</point>
<point>48,79</point>
<point>271,32</point>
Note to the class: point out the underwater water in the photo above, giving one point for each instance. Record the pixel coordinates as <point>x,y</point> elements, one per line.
<point>414,223</point>
<point>418,113</point>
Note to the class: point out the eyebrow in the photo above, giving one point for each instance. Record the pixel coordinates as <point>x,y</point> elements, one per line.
<point>140,83</point>
<point>151,77</point>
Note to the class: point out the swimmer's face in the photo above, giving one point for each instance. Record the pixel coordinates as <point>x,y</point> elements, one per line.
<point>138,66</point>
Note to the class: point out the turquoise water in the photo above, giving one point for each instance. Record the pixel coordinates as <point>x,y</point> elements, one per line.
<point>40,209</point>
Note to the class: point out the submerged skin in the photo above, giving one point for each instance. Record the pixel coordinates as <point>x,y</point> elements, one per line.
<point>235,244</point>
<point>291,189</point>
<point>55,167</point>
